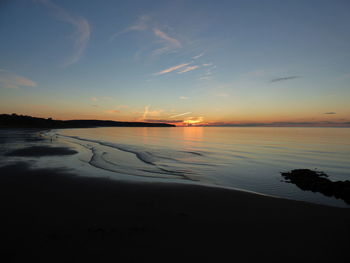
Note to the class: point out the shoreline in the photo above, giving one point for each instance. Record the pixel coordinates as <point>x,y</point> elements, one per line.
<point>56,215</point>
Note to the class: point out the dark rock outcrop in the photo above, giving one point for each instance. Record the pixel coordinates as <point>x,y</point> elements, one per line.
<point>317,181</point>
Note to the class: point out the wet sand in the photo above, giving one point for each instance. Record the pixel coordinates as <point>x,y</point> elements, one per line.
<point>55,215</point>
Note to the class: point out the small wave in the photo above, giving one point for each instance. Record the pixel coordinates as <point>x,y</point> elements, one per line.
<point>195,153</point>
<point>239,156</point>
<point>154,163</point>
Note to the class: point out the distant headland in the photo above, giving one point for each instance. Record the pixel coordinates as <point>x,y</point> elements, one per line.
<point>23,121</point>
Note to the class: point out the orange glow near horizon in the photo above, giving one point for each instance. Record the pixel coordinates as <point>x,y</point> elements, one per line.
<point>325,120</point>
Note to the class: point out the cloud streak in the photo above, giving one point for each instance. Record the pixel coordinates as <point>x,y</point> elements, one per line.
<point>171,69</point>
<point>284,78</point>
<point>198,56</point>
<point>181,68</point>
<point>141,24</point>
<point>187,69</point>
<point>145,112</point>
<point>182,114</point>
<point>10,80</point>
<point>82,30</point>
<point>146,23</point>
<point>330,113</point>
<point>170,42</point>
<point>148,112</point>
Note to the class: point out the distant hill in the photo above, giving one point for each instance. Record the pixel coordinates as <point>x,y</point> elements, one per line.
<point>22,121</point>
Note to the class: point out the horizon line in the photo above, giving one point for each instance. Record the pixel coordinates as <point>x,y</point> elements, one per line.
<point>183,123</point>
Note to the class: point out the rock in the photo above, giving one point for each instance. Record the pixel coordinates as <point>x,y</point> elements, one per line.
<point>316,181</point>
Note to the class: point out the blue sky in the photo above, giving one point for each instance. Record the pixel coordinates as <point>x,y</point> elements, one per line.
<point>189,61</point>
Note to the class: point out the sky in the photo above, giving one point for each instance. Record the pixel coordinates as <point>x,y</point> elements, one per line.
<point>203,62</point>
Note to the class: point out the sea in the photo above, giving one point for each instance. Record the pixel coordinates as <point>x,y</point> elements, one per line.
<point>244,158</point>
<point>248,159</point>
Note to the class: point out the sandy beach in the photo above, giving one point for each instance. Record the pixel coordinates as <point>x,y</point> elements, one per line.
<point>56,215</point>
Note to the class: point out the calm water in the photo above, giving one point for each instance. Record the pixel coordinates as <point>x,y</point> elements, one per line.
<point>245,158</point>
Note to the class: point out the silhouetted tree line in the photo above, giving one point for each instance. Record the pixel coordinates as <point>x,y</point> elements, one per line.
<point>23,121</point>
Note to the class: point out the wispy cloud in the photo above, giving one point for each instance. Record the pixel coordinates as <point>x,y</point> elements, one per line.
<point>284,78</point>
<point>81,26</point>
<point>198,56</point>
<point>187,69</point>
<point>145,112</point>
<point>330,113</point>
<point>151,113</point>
<point>12,81</point>
<point>146,23</point>
<point>171,69</point>
<point>208,72</point>
<point>141,24</point>
<point>181,114</point>
<point>170,42</point>
<point>166,38</point>
<point>183,98</point>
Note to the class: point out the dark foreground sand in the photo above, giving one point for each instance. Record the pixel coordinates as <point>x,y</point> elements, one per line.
<point>53,215</point>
